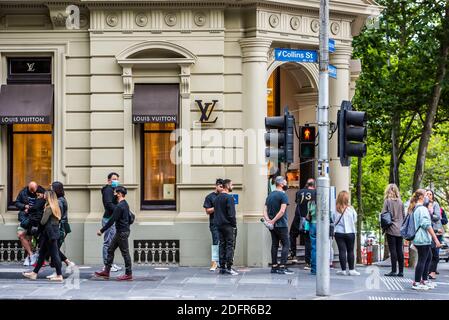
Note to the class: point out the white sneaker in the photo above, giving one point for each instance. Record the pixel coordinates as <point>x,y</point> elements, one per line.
<point>430,284</point>
<point>419,287</point>
<point>34,258</point>
<point>69,268</point>
<point>27,262</point>
<point>115,268</point>
<point>52,275</point>
<point>354,273</point>
<point>232,272</point>
<point>342,272</point>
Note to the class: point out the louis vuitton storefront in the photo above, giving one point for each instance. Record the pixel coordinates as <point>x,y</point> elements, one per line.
<point>168,94</point>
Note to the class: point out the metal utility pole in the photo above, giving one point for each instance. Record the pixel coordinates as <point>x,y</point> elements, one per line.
<point>323,182</point>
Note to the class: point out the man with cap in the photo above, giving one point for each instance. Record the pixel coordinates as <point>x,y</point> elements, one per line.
<point>275,213</point>
<point>209,207</point>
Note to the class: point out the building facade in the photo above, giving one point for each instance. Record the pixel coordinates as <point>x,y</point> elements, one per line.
<point>92,87</point>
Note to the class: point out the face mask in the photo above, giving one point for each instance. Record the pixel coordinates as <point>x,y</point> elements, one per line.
<point>285,187</point>
<point>426,201</point>
<point>115,183</point>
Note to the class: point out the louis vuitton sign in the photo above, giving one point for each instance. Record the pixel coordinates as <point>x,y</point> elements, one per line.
<point>206,109</point>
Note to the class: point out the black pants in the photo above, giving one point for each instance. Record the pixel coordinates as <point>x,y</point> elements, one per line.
<point>279,234</point>
<point>48,247</point>
<point>345,243</point>
<point>226,244</point>
<point>422,267</point>
<point>120,240</point>
<point>307,247</point>
<point>294,233</point>
<point>435,259</point>
<point>396,252</point>
<point>61,254</point>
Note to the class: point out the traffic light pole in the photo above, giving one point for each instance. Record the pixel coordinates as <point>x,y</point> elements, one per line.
<point>323,182</point>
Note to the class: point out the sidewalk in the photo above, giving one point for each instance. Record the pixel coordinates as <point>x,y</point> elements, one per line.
<point>200,283</point>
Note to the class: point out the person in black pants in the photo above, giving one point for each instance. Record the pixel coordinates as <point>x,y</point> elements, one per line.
<point>50,237</point>
<point>394,205</point>
<point>121,218</point>
<point>303,197</point>
<point>275,213</point>
<point>225,220</point>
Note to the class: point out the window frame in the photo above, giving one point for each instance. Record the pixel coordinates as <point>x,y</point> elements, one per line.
<point>149,205</point>
<point>10,166</point>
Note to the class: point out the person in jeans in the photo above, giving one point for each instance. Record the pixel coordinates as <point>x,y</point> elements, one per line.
<point>209,207</point>
<point>24,202</point>
<point>50,237</point>
<point>109,203</point>
<point>423,239</point>
<point>394,205</point>
<point>275,213</point>
<point>437,225</point>
<point>121,219</point>
<point>225,220</point>
<point>345,219</point>
<point>303,197</point>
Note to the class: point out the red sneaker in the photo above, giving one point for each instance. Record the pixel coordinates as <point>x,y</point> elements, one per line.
<point>102,274</point>
<point>125,277</point>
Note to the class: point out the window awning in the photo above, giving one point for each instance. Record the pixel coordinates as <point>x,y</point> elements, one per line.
<point>155,103</point>
<point>26,103</point>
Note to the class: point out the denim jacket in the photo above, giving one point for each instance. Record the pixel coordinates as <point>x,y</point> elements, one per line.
<point>422,221</point>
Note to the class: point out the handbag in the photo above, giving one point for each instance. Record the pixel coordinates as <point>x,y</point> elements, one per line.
<point>332,226</point>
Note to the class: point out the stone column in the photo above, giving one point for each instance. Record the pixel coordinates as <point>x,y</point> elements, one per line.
<point>254,58</point>
<point>339,91</point>
<point>185,123</point>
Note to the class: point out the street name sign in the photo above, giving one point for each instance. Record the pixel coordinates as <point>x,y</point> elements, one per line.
<point>296,55</point>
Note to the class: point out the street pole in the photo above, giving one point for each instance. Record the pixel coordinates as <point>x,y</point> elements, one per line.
<point>323,182</point>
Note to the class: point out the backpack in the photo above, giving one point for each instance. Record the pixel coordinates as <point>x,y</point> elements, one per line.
<point>131,218</point>
<point>408,230</point>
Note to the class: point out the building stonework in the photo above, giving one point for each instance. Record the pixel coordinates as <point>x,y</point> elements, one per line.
<point>215,51</point>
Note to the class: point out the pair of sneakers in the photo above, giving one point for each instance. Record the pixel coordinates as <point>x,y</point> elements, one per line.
<point>281,270</point>
<point>230,271</point>
<point>348,273</point>
<point>423,286</point>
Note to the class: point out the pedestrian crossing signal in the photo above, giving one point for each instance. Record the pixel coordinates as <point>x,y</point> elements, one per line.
<point>307,142</point>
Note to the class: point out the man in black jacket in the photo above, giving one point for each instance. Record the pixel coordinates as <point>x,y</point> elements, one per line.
<point>24,201</point>
<point>121,219</point>
<point>109,203</point>
<point>225,220</point>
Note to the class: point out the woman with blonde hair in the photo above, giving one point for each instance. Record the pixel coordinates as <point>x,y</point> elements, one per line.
<point>49,244</point>
<point>394,205</point>
<point>423,239</point>
<point>345,219</point>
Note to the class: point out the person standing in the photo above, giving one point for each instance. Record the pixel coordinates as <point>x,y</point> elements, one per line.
<point>225,220</point>
<point>109,203</point>
<point>49,243</point>
<point>345,219</point>
<point>423,239</point>
<point>24,201</point>
<point>437,225</point>
<point>275,213</point>
<point>209,207</point>
<point>121,218</point>
<point>303,196</point>
<point>394,205</point>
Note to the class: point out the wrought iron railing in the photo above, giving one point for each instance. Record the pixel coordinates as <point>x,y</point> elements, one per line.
<point>11,251</point>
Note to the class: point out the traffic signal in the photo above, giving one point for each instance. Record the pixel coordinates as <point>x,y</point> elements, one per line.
<point>351,133</point>
<point>307,142</point>
<point>279,137</point>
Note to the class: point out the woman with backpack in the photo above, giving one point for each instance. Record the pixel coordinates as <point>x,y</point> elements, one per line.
<point>437,225</point>
<point>49,244</point>
<point>395,207</point>
<point>345,219</point>
<point>422,240</point>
